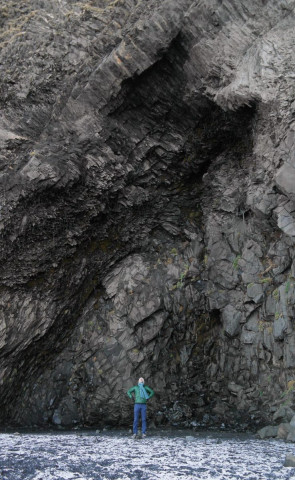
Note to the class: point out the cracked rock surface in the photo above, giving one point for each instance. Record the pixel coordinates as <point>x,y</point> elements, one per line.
<point>147,210</point>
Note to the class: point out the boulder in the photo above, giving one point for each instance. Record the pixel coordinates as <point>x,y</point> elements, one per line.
<point>56,418</point>
<point>283,430</point>
<point>289,460</point>
<point>292,421</point>
<point>291,435</point>
<point>284,413</point>
<point>268,431</point>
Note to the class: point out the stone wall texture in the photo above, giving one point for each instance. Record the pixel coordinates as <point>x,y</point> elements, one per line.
<point>147,210</point>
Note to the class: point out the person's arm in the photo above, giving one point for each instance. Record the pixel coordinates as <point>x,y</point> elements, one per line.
<point>150,392</point>
<point>130,391</point>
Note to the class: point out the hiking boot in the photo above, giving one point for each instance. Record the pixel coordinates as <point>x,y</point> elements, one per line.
<point>134,435</point>
<point>143,435</point>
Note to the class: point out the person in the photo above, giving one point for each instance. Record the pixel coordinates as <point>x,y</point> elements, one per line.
<point>141,394</point>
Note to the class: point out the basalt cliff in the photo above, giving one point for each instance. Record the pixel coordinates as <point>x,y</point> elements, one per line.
<point>147,210</point>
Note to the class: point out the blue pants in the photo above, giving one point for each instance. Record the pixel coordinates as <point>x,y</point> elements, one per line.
<point>139,408</point>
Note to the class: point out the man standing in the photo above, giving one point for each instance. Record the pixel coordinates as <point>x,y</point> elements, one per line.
<point>141,393</point>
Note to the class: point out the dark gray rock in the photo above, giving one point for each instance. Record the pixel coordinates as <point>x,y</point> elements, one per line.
<point>268,432</point>
<point>284,413</point>
<point>281,327</point>
<point>289,461</point>
<point>291,435</point>
<point>146,211</point>
<point>231,320</point>
<point>284,429</point>
<point>56,418</point>
<point>255,292</point>
<point>292,421</point>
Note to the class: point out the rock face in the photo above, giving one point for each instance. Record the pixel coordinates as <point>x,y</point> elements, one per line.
<point>147,210</point>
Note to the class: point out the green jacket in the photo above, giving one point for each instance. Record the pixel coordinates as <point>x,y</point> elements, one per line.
<point>136,391</point>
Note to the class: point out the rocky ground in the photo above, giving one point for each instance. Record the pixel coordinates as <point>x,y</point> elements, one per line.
<point>163,455</point>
